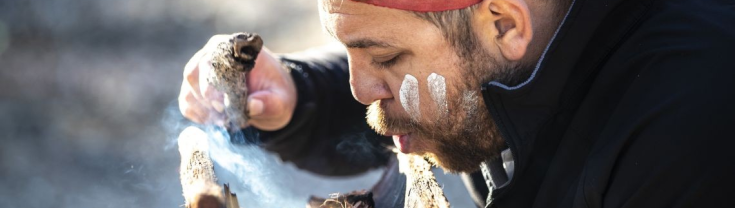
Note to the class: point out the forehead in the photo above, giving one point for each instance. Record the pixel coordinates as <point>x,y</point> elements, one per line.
<point>348,20</point>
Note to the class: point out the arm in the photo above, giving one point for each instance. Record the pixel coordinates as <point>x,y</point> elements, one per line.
<point>327,134</point>
<point>304,111</point>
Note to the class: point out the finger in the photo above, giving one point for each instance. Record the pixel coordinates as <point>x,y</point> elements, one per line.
<point>201,58</point>
<point>263,104</point>
<point>263,74</point>
<point>193,62</point>
<point>196,79</point>
<point>267,111</point>
<point>194,94</point>
<point>214,98</point>
<point>255,107</point>
<point>211,96</point>
<point>191,70</point>
<point>191,108</point>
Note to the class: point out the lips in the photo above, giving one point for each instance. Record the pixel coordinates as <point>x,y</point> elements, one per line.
<point>402,142</point>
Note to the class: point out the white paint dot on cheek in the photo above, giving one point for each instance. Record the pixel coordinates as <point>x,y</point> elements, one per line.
<point>409,95</point>
<point>438,92</point>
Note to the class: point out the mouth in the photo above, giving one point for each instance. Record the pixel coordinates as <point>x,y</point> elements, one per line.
<point>399,133</point>
<point>403,142</point>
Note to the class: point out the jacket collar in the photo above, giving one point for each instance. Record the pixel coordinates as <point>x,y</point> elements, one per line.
<point>523,111</point>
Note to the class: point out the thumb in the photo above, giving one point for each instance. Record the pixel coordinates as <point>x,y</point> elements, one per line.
<point>268,110</point>
<point>265,104</point>
<point>255,107</point>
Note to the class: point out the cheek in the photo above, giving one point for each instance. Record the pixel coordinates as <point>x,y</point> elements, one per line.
<point>438,91</point>
<point>439,72</point>
<point>432,64</point>
<point>427,93</point>
<point>409,96</point>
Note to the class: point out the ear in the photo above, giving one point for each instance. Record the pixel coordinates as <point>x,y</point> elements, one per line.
<point>508,24</point>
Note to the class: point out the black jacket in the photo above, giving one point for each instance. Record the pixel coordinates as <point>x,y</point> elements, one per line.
<point>631,105</point>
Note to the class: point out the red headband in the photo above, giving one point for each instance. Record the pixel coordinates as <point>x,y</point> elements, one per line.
<point>422,5</point>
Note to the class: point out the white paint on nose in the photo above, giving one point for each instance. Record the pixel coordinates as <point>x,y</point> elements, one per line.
<point>409,95</point>
<point>438,91</point>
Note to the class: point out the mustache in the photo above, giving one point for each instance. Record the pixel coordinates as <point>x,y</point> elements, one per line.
<point>383,121</point>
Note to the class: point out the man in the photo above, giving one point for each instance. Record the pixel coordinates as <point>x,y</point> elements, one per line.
<point>617,103</point>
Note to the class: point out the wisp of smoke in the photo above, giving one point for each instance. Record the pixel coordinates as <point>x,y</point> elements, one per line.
<point>253,174</point>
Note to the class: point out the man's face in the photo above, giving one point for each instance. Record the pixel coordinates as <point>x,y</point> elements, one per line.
<point>420,91</point>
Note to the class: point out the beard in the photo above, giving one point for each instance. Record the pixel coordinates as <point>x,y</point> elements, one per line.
<point>458,142</point>
<point>467,135</point>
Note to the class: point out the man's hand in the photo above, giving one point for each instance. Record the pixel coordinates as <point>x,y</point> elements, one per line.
<point>272,97</point>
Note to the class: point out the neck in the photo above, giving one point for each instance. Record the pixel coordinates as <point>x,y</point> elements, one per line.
<point>544,27</point>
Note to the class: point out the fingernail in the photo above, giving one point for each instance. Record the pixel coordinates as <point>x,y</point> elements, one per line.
<point>255,107</point>
<point>218,106</point>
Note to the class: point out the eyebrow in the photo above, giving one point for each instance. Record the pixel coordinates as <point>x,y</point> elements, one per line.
<point>366,43</point>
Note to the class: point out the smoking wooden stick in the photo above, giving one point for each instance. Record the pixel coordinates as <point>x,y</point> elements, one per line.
<point>197,171</point>
<point>417,182</point>
<point>232,60</point>
<point>198,180</point>
<point>389,192</point>
<point>422,190</point>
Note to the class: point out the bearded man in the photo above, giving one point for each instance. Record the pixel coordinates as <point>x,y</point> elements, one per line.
<point>541,103</point>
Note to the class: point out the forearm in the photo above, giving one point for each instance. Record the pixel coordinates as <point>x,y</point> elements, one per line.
<point>328,134</point>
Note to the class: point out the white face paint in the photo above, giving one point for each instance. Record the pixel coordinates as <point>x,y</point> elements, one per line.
<point>438,92</point>
<point>470,101</point>
<point>409,95</point>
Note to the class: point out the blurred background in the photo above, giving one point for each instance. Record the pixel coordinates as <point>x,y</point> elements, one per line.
<point>88,112</point>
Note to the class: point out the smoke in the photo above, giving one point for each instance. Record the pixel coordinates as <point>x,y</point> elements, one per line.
<point>85,84</point>
<point>250,172</point>
<point>362,146</point>
<point>260,178</point>
<point>257,177</point>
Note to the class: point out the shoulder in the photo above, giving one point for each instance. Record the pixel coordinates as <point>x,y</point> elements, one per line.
<point>670,138</point>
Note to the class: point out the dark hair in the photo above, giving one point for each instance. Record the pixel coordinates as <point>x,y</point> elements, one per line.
<point>456,25</point>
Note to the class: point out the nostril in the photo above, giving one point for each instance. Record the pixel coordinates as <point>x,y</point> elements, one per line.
<point>369,90</point>
<point>367,84</point>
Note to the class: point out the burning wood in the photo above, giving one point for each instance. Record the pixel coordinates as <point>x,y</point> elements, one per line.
<point>410,173</point>
<point>356,199</point>
<point>232,60</point>
<point>198,180</point>
<point>421,189</point>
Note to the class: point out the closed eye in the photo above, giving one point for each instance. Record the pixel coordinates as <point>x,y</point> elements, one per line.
<point>387,63</point>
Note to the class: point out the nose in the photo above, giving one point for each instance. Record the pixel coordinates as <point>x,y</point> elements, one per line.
<point>367,84</point>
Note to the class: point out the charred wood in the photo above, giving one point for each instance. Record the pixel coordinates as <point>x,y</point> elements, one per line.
<point>198,180</point>
<point>232,60</point>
